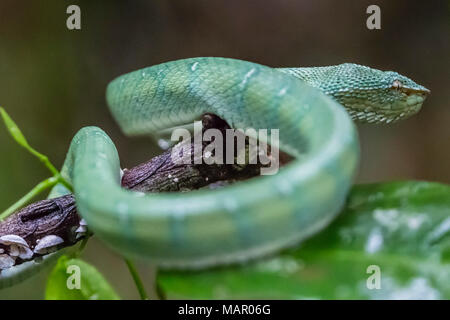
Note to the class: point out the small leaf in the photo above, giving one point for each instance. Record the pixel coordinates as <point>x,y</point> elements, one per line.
<point>14,129</point>
<point>75,279</point>
<point>401,229</point>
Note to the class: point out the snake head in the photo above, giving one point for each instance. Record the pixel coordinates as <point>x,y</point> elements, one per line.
<point>375,96</point>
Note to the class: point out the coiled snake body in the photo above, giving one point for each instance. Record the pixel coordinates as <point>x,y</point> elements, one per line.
<point>251,218</point>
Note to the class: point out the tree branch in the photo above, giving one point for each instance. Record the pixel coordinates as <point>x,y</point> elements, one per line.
<point>57,222</point>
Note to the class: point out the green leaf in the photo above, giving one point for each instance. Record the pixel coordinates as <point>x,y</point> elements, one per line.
<point>14,129</point>
<point>63,283</point>
<point>401,227</point>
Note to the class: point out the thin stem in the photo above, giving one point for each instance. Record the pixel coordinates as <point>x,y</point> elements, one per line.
<point>42,186</point>
<point>64,182</point>
<point>137,279</point>
<point>44,159</point>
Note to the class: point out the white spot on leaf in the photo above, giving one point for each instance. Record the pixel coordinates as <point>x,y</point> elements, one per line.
<point>374,241</point>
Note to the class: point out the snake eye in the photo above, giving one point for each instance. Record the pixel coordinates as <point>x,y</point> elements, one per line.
<point>397,84</point>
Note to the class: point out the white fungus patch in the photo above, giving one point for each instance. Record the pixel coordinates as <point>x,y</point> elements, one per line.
<point>6,261</point>
<point>48,244</point>
<point>10,239</point>
<point>18,247</point>
<point>163,144</point>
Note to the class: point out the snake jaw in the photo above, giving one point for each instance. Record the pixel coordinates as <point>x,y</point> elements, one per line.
<point>385,106</point>
<point>401,109</point>
<point>410,104</point>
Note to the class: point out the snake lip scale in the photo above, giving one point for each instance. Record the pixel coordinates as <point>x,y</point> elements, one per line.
<point>311,107</point>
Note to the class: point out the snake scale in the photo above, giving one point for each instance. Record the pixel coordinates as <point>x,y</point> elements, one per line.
<point>311,107</point>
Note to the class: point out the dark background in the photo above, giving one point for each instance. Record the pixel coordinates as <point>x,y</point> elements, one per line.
<point>52,80</point>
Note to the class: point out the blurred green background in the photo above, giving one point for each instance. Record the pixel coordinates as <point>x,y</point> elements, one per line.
<point>52,80</point>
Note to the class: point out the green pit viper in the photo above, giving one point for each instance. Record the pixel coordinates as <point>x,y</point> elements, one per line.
<point>311,107</point>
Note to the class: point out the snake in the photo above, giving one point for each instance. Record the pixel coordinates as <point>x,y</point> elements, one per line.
<point>314,110</point>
